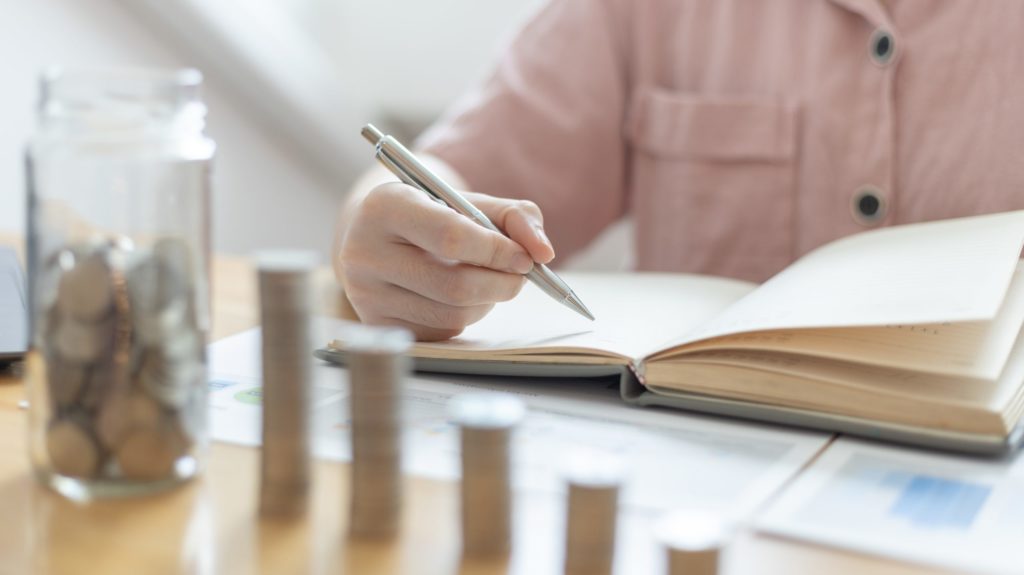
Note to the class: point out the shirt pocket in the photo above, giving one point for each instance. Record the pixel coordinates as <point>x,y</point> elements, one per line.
<point>712,182</point>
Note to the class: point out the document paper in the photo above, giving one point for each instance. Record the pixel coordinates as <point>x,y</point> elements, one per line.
<point>950,511</point>
<point>672,459</point>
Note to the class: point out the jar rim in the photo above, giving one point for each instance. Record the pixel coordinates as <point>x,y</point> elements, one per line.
<point>136,81</point>
<point>64,89</point>
<point>120,99</point>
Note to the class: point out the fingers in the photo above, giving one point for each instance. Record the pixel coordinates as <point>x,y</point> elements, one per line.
<point>428,319</point>
<point>443,281</point>
<point>522,220</point>
<point>408,261</point>
<point>410,215</point>
<point>421,333</point>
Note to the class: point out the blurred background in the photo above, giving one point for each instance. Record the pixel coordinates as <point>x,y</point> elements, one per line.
<point>288,84</point>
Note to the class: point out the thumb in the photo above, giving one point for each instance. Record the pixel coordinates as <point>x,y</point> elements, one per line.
<point>521,220</point>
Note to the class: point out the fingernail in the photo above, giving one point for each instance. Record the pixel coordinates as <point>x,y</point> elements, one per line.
<point>522,263</point>
<point>538,231</point>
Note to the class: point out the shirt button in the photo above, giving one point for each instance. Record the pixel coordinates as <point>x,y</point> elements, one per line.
<point>882,47</point>
<point>868,206</point>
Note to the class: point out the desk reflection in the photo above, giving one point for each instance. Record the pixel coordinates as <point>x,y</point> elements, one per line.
<point>168,533</point>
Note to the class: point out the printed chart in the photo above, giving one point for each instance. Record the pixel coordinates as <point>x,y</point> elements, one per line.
<point>954,511</point>
<point>671,459</point>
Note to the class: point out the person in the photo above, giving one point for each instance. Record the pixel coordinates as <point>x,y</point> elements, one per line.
<point>737,134</point>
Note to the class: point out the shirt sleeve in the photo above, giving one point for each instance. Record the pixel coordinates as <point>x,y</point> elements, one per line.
<point>548,124</point>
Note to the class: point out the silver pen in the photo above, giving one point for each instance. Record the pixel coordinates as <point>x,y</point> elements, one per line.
<point>411,171</point>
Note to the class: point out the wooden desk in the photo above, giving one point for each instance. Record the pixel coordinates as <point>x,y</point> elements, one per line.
<point>211,525</point>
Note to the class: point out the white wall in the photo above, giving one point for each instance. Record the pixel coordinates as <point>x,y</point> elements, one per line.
<point>265,193</point>
<point>413,56</point>
<point>400,61</point>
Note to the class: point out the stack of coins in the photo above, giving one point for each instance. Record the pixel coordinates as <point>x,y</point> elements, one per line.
<point>486,423</point>
<point>285,307</point>
<point>694,541</point>
<point>378,366</point>
<point>125,366</point>
<point>594,481</point>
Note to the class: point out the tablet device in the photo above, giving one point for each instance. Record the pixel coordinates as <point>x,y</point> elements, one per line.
<point>13,308</point>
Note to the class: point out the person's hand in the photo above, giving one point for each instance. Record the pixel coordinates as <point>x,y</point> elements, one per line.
<point>407,260</point>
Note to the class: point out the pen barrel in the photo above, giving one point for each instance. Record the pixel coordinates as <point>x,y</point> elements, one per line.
<point>542,276</point>
<point>398,155</point>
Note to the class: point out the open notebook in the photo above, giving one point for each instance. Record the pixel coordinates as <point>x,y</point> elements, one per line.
<point>908,333</point>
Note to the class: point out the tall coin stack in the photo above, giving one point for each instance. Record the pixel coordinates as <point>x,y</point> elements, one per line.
<point>594,481</point>
<point>125,367</point>
<point>378,366</point>
<point>486,423</point>
<point>285,307</point>
<point>694,541</point>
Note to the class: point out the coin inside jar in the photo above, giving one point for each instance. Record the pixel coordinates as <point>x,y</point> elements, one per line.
<point>83,342</point>
<point>124,413</point>
<point>128,382</point>
<point>98,384</point>
<point>150,453</point>
<point>65,380</point>
<point>85,293</point>
<point>170,381</point>
<point>72,450</point>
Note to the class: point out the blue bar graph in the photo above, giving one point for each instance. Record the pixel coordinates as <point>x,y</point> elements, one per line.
<point>937,503</point>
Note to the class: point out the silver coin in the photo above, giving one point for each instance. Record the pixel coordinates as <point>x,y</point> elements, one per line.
<point>486,422</point>
<point>376,500</point>
<point>169,381</point>
<point>65,381</point>
<point>102,379</point>
<point>161,326</point>
<point>377,370</point>
<point>192,418</point>
<point>590,527</point>
<point>175,256</point>
<point>143,279</point>
<point>85,292</point>
<point>72,449</point>
<point>378,441</point>
<point>146,409</point>
<point>149,453</point>
<point>376,472</point>
<point>124,413</point>
<point>161,276</point>
<point>183,345</point>
<point>83,342</point>
<point>285,466</point>
<point>280,499</point>
<point>694,541</point>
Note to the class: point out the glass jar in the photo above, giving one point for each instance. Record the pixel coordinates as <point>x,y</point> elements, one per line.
<point>118,176</point>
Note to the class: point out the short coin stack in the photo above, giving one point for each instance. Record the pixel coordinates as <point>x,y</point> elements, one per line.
<point>486,423</point>
<point>124,355</point>
<point>694,541</point>
<point>594,481</point>
<point>378,366</point>
<point>285,307</point>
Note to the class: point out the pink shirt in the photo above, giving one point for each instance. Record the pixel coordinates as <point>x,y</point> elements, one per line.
<point>741,134</point>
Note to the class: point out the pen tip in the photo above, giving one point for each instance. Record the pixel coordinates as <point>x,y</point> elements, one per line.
<point>574,302</point>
